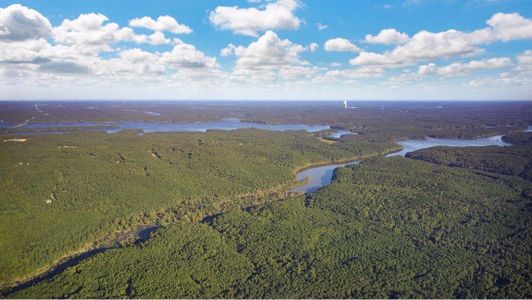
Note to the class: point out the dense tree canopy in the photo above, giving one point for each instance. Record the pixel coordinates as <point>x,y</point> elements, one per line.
<point>386,228</point>
<point>64,193</point>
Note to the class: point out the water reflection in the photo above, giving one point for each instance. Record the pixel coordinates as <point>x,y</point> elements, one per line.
<point>413,145</point>
<point>322,176</point>
<point>147,127</point>
<point>339,133</point>
<point>318,177</point>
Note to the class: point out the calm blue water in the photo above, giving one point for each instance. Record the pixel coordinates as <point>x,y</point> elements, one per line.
<point>339,133</point>
<point>413,145</point>
<point>318,177</point>
<point>216,125</point>
<point>59,125</point>
<point>146,127</point>
<point>322,176</point>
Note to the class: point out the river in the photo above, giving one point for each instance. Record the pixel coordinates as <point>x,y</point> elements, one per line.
<point>322,175</point>
<point>316,177</point>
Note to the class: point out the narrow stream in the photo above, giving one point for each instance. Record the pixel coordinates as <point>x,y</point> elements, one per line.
<point>142,236</point>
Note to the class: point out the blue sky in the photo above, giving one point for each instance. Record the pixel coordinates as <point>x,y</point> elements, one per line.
<point>284,49</point>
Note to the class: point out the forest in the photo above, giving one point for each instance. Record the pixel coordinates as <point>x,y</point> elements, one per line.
<point>72,191</point>
<point>441,223</point>
<point>515,160</point>
<point>385,228</point>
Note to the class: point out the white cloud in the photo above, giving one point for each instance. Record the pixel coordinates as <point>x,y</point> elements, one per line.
<point>251,21</point>
<point>38,56</point>
<point>465,68</point>
<point>90,34</point>
<point>403,78</point>
<point>187,56</point>
<point>268,50</point>
<point>268,58</point>
<point>423,45</point>
<point>228,50</point>
<point>351,74</point>
<point>75,49</point>
<point>313,47</point>
<point>371,58</point>
<point>521,74</point>
<point>22,51</point>
<point>298,72</point>
<point>163,23</point>
<point>426,45</point>
<point>492,63</point>
<point>158,38</point>
<point>525,58</point>
<point>428,69</point>
<point>19,23</point>
<point>506,27</point>
<point>131,62</point>
<point>387,37</point>
<point>63,67</point>
<point>505,80</point>
<point>340,45</point>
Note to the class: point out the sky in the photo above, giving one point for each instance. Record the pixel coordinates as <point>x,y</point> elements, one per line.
<point>266,49</point>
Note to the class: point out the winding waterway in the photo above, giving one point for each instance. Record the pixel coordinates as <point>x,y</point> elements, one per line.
<point>413,145</point>
<point>318,177</point>
<point>142,235</point>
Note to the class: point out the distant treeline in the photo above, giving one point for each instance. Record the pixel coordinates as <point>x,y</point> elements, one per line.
<point>379,120</point>
<point>515,160</point>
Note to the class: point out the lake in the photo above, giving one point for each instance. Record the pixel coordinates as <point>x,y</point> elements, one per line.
<point>147,127</point>
<point>228,124</point>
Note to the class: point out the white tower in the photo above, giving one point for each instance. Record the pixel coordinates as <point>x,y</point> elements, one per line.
<point>345,104</point>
